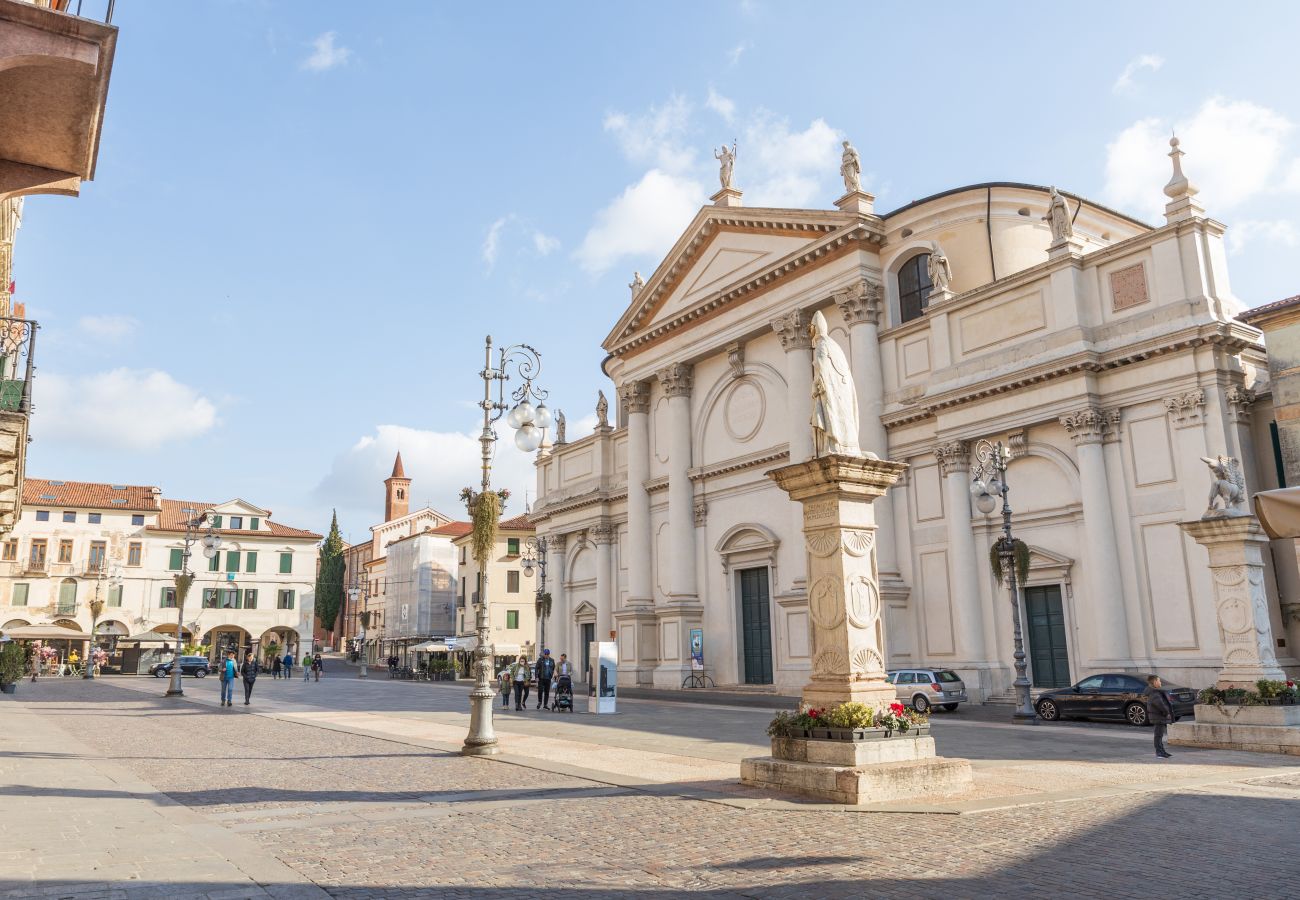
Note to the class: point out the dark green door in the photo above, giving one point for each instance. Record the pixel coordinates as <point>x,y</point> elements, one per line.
<point>588,635</point>
<point>1047,651</point>
<point>756,625</point>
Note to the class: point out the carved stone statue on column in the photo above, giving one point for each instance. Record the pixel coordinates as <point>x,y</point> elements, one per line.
<point>1227,487</point>
<point>1058,218</point>
<point>559,426</point>
<point>834,398</point>
<point>602,410</point>
<point>851,169</point>
<point>939,270</point>
<point>726,161</point>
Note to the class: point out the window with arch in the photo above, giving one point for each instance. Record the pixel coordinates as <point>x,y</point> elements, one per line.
<point>401,494</point>
<point>914,287</point>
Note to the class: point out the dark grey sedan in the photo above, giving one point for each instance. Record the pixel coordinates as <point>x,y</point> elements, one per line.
<point>1110,696</point>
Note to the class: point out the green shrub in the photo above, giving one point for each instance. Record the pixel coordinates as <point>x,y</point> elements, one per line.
<point>11,662</point>
<point>850,715</point>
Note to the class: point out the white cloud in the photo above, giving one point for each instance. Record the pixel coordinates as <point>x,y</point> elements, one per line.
<point>1233,147</point>
<point>492,241</point>
<point>645,219</point>
<point>787,168</point>
<point>1145,61</point>
<point>439,464</point>
<point>1273,231</point>
<point>723,106</point>
<point>108,328</point>
<point>655,138</point>
<point>1292,180</point>
<point>734,54</point>
<point>545,244</point>
<point>325,54</point>
<point>124,408</point>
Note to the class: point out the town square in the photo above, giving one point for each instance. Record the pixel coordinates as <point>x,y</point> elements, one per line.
<point>648,450</point>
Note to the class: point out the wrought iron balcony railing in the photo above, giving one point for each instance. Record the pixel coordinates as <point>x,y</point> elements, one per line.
<point>17,341</point>
<point>98,10</point>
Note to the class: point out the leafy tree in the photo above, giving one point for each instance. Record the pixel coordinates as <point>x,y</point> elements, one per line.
<point>329,578</point>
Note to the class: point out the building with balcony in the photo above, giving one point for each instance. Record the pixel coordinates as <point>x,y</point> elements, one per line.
<point>124,544</point>
<point>511,596</point>
<point>1103,351</point>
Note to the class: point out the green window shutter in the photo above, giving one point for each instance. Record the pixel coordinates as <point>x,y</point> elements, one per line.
<point>20,594</point>
<point>162,599</point>
<point>252,560</point>
<point>512,618</point>
<point>232,560</point>
<point>216,521</point>
<point>176,560</point>
<point>239,598</point>
<point>115,595</point>
<point>286,563</point>
<point>253,523</point>
<point>215,563</point>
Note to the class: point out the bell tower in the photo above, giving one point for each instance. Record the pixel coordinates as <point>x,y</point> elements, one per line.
<point>397,492</point>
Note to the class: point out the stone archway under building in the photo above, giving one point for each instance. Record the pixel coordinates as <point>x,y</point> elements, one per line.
<point>222,638</point>
<point>286,638</point>
<point>14,623</point>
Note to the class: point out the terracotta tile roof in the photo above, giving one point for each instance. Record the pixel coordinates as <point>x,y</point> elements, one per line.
<point>89,495</point>
<point>453,529</point>
<point>518,523</point>
<point>173,519</point>
<point>1251,314</point>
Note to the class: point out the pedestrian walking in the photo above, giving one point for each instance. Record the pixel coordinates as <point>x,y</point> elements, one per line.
<point>307,661</point>
<point>318,665</point>
<point>227,679</point>
<point>545,672</point>
<point>1160,712</point>
<point>519,675</point>
<point>275,666</point>
<point>288,665</point>
<point>249,673</point>
<point>503,677</point>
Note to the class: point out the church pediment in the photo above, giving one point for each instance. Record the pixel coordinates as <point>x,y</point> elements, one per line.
<point>726,252</point>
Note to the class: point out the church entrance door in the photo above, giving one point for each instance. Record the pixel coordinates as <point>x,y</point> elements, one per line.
<point>588,635</point>
<point>1048,653</point>
<point>755,625</point>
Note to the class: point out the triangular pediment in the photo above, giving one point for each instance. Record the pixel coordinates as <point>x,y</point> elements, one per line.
<point>239,507</point>
<point>723,248</point>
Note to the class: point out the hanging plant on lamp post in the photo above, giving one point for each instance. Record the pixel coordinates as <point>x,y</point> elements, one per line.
<point>1019,553</point>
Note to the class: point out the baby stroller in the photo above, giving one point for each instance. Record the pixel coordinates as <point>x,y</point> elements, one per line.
<point>563,694</point>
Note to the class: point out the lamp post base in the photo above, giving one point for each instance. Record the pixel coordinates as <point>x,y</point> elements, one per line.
<point>174,692</point>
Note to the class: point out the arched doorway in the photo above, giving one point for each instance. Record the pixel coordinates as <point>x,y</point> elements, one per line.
<point>107,633</point>
<point>285,639</point>
<point>229,638</point>
<point>14,623</point>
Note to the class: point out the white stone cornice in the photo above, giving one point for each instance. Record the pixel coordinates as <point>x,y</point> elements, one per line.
<point>1187,409</point>
<point>1087,425</point>
<point>953,456</point>
<point>739,463</point>
<point>860,302</point>
<point>677,379</point>
<point>635,396</point>
<point>792,329</point>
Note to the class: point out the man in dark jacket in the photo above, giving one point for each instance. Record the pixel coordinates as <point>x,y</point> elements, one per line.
<point>249,672</point>
<point>545,672</point>
<point>1160,712</point>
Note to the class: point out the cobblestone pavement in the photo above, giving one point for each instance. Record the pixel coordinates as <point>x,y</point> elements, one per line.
<point>363,817</point>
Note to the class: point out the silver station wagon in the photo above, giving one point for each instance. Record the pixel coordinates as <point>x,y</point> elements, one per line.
<point>922,689</point>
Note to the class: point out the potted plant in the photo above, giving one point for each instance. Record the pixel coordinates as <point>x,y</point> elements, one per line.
<point>12,665</point>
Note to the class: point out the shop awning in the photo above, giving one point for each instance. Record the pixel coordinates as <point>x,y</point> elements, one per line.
<point>469,644</point>
<point>430,647</point>
<point>148,637</point>
<point>46,633</point>
<point>1279,512</point>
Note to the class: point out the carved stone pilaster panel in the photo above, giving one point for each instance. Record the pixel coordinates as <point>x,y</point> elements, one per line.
<point>954,457</point>
<point>701,513</point>
<point>861,302</point>
<point>635,396</point>
<point>1240,400</point>
<point>677,379</point>
<point>792,329</point>
<point>1186,410</point>
<point>1086,426</point>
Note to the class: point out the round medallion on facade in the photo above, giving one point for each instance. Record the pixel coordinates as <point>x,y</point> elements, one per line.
<point>864,602</point>
<point>826,602</point>
<point>1234,613</point>
<point>743,410</point>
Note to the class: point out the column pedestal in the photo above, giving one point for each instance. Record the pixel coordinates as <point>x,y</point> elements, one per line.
<point>675,624</point>
<point>638,645</point>
<point>848,647</point>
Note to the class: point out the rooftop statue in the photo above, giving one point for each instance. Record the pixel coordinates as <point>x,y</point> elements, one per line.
<point>602,410</point>
<point>851,169</point>
<point>636,284</point>
<point>1058,217</point>
<point>834,398</point>
<point>939,270</point>
<point>726,160</point>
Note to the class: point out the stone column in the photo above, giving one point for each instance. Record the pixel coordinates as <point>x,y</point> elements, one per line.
<point>677,381</point>
<point>1236,545</point>
<point>845,616</point>
<point>861,305</point>
<point>792,329</point>
<point>636,397</point>
<point>1106,586</point>
<point>964,556</point>
<point>559,628</point>
<point>603,535</point>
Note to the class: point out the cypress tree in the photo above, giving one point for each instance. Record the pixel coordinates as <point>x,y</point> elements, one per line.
<point>329,578</point>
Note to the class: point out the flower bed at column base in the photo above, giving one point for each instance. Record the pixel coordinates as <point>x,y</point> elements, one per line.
<point>1259,729</point>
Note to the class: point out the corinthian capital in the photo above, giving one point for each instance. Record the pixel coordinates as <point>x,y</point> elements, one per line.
<point>635,396</point>
<point>677,379</point>
<point>603,532</point>
<point>1087,426</point>
<point>860,303</point>
<point>792,329</point>
<point>954,457</point>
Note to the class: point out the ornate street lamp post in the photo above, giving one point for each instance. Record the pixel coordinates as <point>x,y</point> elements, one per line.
<point>530,422</point>
<point>990,483</point>
<point>185,578</point>
<point>534,557</point>
<point>353,593</point>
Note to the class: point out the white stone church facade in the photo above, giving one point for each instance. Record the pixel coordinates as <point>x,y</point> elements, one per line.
<point>1108,359</point>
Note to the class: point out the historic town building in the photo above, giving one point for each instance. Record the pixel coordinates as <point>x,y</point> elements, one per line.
<point>1103,351</point>
<point>124,544</point>
<point>511,594</point>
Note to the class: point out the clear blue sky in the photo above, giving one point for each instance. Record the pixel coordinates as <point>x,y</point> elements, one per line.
<point>306,216</point>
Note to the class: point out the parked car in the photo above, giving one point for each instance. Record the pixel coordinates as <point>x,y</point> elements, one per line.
<point>1110,696</point>
<point>924,688</point>
<point>198,666</point>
